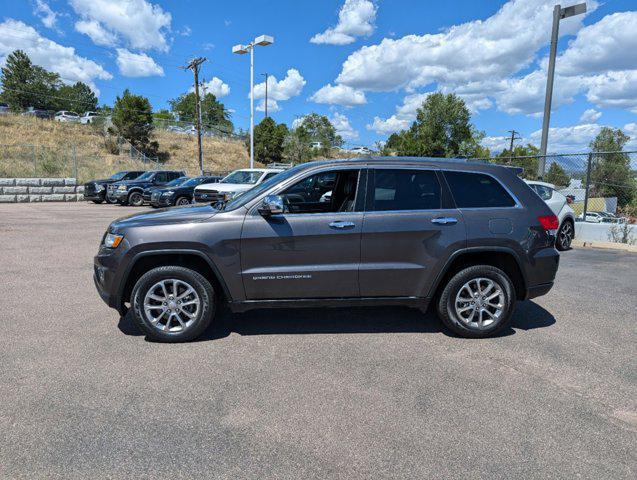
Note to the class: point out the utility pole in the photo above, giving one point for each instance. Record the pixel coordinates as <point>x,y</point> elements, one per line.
<point>201,100</point>
<point>266,93</point>
<point>194,65</point>
<point>513,138</point>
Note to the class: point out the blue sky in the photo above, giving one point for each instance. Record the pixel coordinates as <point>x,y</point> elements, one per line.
<point>366,64</point>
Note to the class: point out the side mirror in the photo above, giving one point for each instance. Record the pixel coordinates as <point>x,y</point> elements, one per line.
<point>271,205</point>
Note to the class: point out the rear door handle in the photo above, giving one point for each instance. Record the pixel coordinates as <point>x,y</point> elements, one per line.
<point>341,225</point>
<point>444,220</point>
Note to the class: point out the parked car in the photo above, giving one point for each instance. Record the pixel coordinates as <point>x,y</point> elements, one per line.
<point>361,151</point>
<point>471,238</point>
<point>316,145</point>
<point>38,113</point>
<point>559,204</point>
<point>234,184</point>
<point>129,192</point>
<point>95,190</point>
<point>89,117</point>
<point>179,195</point>
<point>66,116</point>
<point>147,193</point>
<point>4,108</point>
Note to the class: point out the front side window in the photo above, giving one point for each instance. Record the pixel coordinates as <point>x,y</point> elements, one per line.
<point>161,177</point>
<point>405,190</point>
<point>330,191</point>
<point>477,190</point>
<point>243,177</point>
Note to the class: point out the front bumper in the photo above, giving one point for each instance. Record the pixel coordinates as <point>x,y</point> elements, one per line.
<point>94,196</point>
<point>208,197</point>
<point>161,200</point>
<point>118,195</point>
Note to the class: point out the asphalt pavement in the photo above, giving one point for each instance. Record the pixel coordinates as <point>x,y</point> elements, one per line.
<point>300,394</point>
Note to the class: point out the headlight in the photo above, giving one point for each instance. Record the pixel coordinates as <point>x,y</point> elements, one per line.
<point>122,188</point>
<point>112,241</point>
<point>168,193</point>
<point>229,196</point>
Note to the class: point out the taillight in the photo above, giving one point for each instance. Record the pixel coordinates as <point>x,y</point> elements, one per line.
<point>549,222</point>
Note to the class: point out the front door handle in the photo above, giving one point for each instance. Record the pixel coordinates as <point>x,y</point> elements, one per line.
<point>341,225</point>
<point>444,220</point>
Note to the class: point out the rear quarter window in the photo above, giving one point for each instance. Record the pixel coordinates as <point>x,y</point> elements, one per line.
<point>477,190</point>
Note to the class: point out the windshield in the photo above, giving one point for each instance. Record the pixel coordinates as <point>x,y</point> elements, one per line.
<point>117,176</point>
<point>193,182</point>
<point>256,191</point>
<point>243,176</point>
<point>176,182</point>
<point>145,176</point>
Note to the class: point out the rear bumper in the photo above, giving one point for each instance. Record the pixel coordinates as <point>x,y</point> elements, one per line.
<point>538,290</point>
<point>541,271</point>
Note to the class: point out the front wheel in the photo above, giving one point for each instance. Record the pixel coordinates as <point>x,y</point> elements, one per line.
<point>135,199</point>
<point>110,201</point>
<point>477,302</point>
<point>173,304</point>
<point>565,236</point>
<point>181,201</point>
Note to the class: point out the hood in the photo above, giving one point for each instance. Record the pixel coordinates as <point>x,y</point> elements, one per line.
<point>225,187</point>
<point>101,180</point>
<point>164,216</point>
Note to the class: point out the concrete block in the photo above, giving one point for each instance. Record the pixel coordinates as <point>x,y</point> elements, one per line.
<point>63,189</point>
<point>53,198</point>
<point>40,190</point>
<point>35,198</point>
<point>52,182</point>
<point>7,182</point>
<point>15,190</point>
<point>79,189</point>
<point>7,198</point>
<point>70,182</point>
<point>70,197</point>
<point>27,182</point>
<point>22,199</point>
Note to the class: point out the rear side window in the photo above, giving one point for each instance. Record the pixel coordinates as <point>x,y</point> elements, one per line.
<point>476,190</point>
<point>545,193</point>
<point>406,190</point>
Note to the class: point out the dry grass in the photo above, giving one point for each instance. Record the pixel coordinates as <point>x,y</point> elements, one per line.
<point>33,147</point>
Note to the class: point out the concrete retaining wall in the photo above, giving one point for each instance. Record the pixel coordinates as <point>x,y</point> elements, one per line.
<point>600,232</point>
<point>24,190</point>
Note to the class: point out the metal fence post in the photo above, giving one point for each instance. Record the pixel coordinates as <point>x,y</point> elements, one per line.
<point>588,185</point>
<point>75,162</point>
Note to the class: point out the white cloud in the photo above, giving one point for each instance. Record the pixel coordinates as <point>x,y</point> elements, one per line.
<point>137,64</point>
<point>614,90</point>
<point>273,106</point>
<point>403,118</point>
<point>343,127</point>
<point>94,30</point>
<point>138,23</point>
<point>475,51</point>
<point>574,138</point>
<point>288,87</point>
<point>185,32</point>
<point>498,143</point>
<point>630,129</point>
<point>44,12</point>
<point>590,116</point>
<point>339,95</point>
<point>16,35</point>
<point>355,18</point>
<point>216,86</point>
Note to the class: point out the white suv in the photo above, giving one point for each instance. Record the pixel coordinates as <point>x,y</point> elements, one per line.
<point>234,184</point>
<point>89,117</point>
<point>559,204</point>
<point>66,116</point>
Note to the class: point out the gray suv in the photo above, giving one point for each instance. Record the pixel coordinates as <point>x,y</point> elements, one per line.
<point>468,238</point>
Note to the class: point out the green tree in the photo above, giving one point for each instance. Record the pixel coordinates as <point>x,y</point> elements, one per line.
<point>318,128</point>
<point>77,98</point>
<point>557,176</point>
<point>27,85</point>
<point>296,146</point>
<point>524,156</point>
<point>442,129</point>
<point>213,113</point>
<point>133,119</point>
<point>268,141</point>
<point>611,175</point>
<point>163,114</point>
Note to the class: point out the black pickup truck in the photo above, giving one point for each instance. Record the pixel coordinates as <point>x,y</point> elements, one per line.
<point>95,190</point>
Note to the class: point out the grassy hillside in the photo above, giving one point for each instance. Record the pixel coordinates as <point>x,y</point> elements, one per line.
<point>34,147</point>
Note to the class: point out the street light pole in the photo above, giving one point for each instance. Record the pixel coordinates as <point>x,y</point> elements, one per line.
<point>266,75</point>
<point>263,41</point>
<point>559,13</point>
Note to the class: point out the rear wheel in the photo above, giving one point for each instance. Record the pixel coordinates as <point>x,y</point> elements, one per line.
<point>477,302</point>
<point>135,199</point>
<point>181,201</point>
<point>173,304</point>
<point>565,236</point>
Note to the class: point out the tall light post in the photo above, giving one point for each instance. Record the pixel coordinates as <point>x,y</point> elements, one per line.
<point>263,41</point>
<point>559,13</point>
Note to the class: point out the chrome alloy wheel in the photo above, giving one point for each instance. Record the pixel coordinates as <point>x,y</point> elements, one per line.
<point>171,305</point>
<point>566,235</point>
<point>480,303</point>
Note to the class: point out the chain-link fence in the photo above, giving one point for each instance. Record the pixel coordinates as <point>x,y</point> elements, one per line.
<point>601,187</point>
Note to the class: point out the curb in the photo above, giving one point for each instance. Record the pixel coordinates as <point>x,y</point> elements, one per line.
<point>607,245</point>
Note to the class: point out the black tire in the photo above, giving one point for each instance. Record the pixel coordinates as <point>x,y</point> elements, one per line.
<point>199,283</point>
<point>447,301</point>
<point>565,235</point>
<point>182,201</point>
<point>110,201</point>
<point>97,202</point>
<point>135,199</point>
